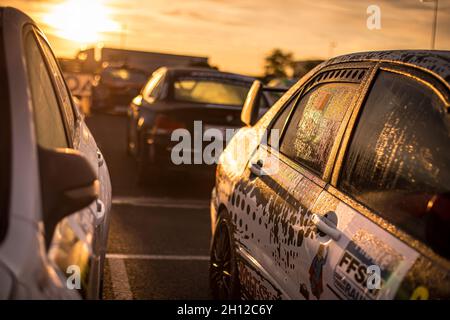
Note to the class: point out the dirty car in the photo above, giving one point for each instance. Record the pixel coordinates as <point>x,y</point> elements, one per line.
<point>341,190</point>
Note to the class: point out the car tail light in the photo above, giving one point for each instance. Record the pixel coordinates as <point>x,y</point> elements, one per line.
<point>165,124</point>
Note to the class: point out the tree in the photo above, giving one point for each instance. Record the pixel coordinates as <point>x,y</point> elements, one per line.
<point>278,64</point>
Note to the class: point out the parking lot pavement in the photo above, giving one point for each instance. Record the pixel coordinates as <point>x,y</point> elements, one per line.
<point>159,236</point>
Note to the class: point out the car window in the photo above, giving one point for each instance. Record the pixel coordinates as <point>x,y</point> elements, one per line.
<point>280,121</point>
<point>62,89</point>
<point>5,142</point>
<point>273,96</point>
<point>399,154</point>
<point>210,91</point>
<point>315,123</point>
<point>157,89</point>
<point>49,125</point>
<point>147,92</point>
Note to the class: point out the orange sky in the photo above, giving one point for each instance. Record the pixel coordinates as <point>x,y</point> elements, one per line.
<point>236,34</point>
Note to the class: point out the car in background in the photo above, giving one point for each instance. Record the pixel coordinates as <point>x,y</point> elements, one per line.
<point>351,199</point>
<point>179,98</point>
<point>55,190</point>
<point>114,88</point>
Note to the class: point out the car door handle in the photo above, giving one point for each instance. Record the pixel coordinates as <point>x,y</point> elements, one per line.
<point>100,158</point>
<point>99,212</point>
<point>256,168</point>
<point>321,224</point>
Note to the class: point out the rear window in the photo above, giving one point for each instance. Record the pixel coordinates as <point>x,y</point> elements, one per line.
<point>210,90</point>
<point>5,143</point>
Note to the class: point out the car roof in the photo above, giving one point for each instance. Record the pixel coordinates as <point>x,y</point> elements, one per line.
<point>204,71</point>
<point>434,61</point>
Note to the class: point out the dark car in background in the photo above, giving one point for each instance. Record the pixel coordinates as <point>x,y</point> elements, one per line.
<point>175,98</point>
<point>114,88</point>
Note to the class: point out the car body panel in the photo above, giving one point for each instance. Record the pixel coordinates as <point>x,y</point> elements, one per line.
<point>362,244</point>
<point>274,205</point>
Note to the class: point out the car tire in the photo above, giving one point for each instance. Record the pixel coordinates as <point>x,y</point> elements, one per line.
<point>223,272</point>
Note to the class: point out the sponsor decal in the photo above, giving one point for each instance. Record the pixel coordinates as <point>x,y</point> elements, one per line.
<point>351,276</point>
<point>256,287</point>
<point>315,271</point>
<point>420,293</point>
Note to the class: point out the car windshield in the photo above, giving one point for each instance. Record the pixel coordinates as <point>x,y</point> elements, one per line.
<point>211,91</point>
<point>124,75</point>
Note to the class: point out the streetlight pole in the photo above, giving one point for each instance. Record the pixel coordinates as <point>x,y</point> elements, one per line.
<point>434,26</point>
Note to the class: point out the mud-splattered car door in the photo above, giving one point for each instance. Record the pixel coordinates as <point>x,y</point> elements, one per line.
<point>271,207</point>
<point>269,212</point>
<point>377,237</point>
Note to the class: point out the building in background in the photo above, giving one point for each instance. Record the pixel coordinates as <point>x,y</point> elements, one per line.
<point>80,73</point>
<point>92,59</point>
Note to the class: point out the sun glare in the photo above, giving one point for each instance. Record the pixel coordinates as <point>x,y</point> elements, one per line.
<point>82,21</point>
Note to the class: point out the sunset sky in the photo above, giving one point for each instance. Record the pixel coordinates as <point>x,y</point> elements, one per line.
<point>237,34</point>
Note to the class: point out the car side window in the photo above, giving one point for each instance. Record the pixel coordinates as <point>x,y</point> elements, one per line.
<point>314,125</point>
<point>399,153</point>
<point>278,125</point>
<point>150,90</point>
<point>64,94</point>
<point>50,132</point>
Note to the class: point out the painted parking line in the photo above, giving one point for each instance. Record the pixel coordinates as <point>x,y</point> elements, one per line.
<point>119,279</point>
<point>118,256</point>
<point>161,202</point>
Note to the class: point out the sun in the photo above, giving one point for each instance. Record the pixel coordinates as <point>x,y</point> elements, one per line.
<point>82,21</point>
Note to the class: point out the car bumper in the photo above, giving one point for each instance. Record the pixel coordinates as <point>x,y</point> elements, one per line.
<point>160,154</point>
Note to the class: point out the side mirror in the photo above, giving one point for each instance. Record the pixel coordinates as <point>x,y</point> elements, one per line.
<point>137,101</point>
<point>250,110</point>
<point>68,184</point>
<point>438,224</point>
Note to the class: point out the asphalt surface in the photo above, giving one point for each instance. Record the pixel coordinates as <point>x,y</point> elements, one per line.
<point>159,236</point>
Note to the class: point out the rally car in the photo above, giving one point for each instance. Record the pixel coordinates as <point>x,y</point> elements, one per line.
<point>342,189</point>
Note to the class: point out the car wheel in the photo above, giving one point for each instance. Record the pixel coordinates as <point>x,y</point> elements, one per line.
<point>223,272</point>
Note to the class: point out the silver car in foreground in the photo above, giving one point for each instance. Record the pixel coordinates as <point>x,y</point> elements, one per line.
<point>55,195</point>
